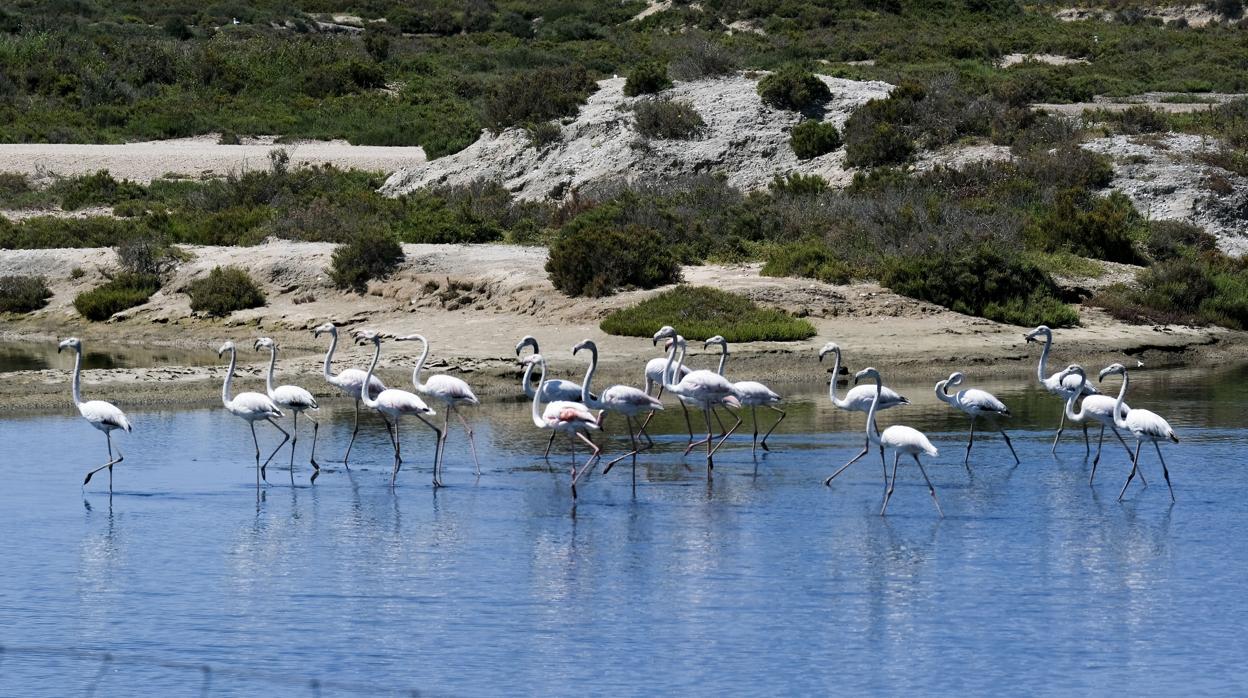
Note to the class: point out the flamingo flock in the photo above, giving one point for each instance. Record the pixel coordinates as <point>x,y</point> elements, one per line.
<point>575,410</point>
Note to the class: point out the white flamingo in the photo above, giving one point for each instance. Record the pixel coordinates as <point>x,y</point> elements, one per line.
<point>654,377</point>
<point>350,381</point>
<point>1145,425</point>
<point>453,393</point>
<point>104,416</point>
<point>393,404</point>
<point>1099,408</point>
<point>858,399</point>
<point>706,388</point>
<point>752,394</point>
<point>295,399</point>
<point>566,417</point>
<point>1056,385</point>
<point>900,439</point>
<point>975,403</point>
<point>251,408</point>
<point>556,389</point>
<point>621,399</point>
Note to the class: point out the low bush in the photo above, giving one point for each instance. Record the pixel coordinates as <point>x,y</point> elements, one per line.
<point>647,78</point>
<point>793,87</point>
<point>797,184</point>
<point>667,119</point>
<point>982,282</point>
<point>539,95</point>
<point>371,254</point>
<point>876,144</point>
<point>594,261</point>
<point>123,291</point>
<point>544,133</point>
<point>1208,289</point>
<point>809,258</point>
<point>810,139</point>
<point>699,312</point>
<point>99,189</point>
<point>1173,239</point>
<point>223,291</point>
<point>22,294</point>
<point>1089,225</point>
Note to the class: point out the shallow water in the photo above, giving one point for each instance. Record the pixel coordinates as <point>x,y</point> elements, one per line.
<point>759,582</point>
<point>30,356</point>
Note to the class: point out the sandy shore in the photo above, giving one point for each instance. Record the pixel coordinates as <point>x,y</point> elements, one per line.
<point>475,301</point>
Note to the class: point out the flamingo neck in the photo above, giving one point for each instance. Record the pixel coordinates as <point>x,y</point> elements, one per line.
<point>537,394</point>
<point>229,378</point>
<point>836,372</point>
<point>329,355</point>
<point>589,373</point>
<point>1041,369</point>
<point>1070,401</point>
<point>268,380</point>
<point>873,433</point>
<point>666,380</point>
<point>942,392</point>
<point>420,363</point>
<point>76,382</point>
<point>365,393</point>
<point>525,381</point>
<point>723,357</point>
<point>1119,419</point>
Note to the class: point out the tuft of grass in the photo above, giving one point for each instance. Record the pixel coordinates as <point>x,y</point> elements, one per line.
<point>22,294</point>
<point>123,291</point>
<point>223,291</point>
<point>668,119</point>
<point>699,312</point>
<point>1066,264</point>
<point>372,254</point>
<point>808,258</point>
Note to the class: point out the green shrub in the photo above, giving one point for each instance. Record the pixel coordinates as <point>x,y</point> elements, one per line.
<point>544,133</point>
<point>22,294</point>
<point>371,254</point>
<point>99,189</point>
<point>797,184</point>
<point>983,282</point>
<point>667,119</point>
<point>540,95</point>
<point>647,78</point>
<point>592,261</point>
<point>1173,239</point>
<point>1204,289</point>
<point>794,88</point>
<point>1088,225</point>
<point>123,291</point>
<point>699,312</point>
<point>223,291</point>
<point>810,139</point>
<point>808,258</point>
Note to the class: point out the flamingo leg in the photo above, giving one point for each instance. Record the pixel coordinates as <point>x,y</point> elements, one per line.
<point>710,453</point>
<point>440,452</point>
<point>718,421</point>
<point>354,430</point>
<point>1135,465</point>
<point>1099,442</point>
<point>256,441</point>
<point>1164,471</point>
<point>633,440</point>
<point>472,444</point>
<point>1010,445</point>
<point>1087,446</point>
<point>1060,426</point>
<point>930,489</point>
<point>550,443</point>
<point>754,441</point>
<point>688,425</point>
<point>888,494</point>
<point>285,438</point>
<point>1128,448</point>
<point>108,436</point>
<point>783,414</point>
<point>865,450</point>
<point>966,461</point>
<point>596,452</point>
<point>294,430</point>
<point>437,479</point>
<point>316,467</point>
<point>651,415</point>
<point>726,435</point>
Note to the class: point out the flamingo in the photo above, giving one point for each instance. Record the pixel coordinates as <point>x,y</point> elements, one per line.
<point>251,408</point>
<point>104,416</point>
<point>1056,385</point>
<point>705,388</point>
<point>566,416</point>
<point>295,399</point>
<point>1099,408</point>
<point>751,393</point>
<point>858,399</point>
<point>556,389</point>
<point>900,439</point>
<point>624,399</point>
<point>350,381</point>
<point>393,403</point>
<point>453,393</point>
<point>654,376</point>
<point>975,403</point>
<point>1145,425</point>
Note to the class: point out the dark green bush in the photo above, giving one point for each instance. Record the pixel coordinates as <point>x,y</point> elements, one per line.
<point>810,139</point>
<point>876,145</point>
<point>540,95</point>
<point>1173,239</point>
<point>808,258</point>
<point>22,294</point>
<point>1208,289</point>
<point>544,133</point>
<point>647,78</point>
<point>667,119</point>
<point>1088,225</point>
<point>793,87</point>
<point>99,189</point>
<point>223,291</point>
<point>983,282</point>
<point>797,184</point>
<point>698,313</point>
<point>596,262</point>
<point>123,291</point>
<point>371,254</point>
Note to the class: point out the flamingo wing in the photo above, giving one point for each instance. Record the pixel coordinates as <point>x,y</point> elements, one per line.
<point>907,440</point>
<point>450,388</point>
<point>755,393</point>
<point>104,415</point>
<point>294,397</point>
<point>1150,425</point>
<point>860,396</point>
<point>566,412</point>
<point>982,401</point>
<point>402,402</point>
<point>628,398</point>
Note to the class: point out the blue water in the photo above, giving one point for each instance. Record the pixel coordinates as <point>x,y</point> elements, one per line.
<point>759,582</point>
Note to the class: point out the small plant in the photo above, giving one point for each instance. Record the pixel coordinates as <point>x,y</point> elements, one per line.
<point>798,184</point>
<point>223,291</point>
<point>229,138</point>
<point>699,312</point>
<point>372,254</point>
<point>1173,239</point>
<point>793,88</point>
<point>667,119</point>
<point>98,189</point>
<point>77,273</point>
<point>123,291</point>
<point>22,294</point>
<point>811,259</point>
<point>544,133</point>
<point>593,261</point>
<point>810,139</point>
<point>647,78</point>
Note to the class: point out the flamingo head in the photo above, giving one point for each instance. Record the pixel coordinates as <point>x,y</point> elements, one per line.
<point>70,343</point>
<point>1111,369</point>
<point>265,343</point>
<point>412,338</point>
<point>585,344</point>
<point>665,332</point>
<point>829,348</point>
<point>531,359</point>
<point>527,341</point>
<point>868,372</point>
<point>366,336</point>
<point>717,339</point>
<point>956,378</point>
<point>1041,331</point>
<point>329,327</point>
<point>1073,370</point>
<point>228,346</point>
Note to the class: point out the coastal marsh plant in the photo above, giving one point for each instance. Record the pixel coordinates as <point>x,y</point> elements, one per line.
<point>700,312</point>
